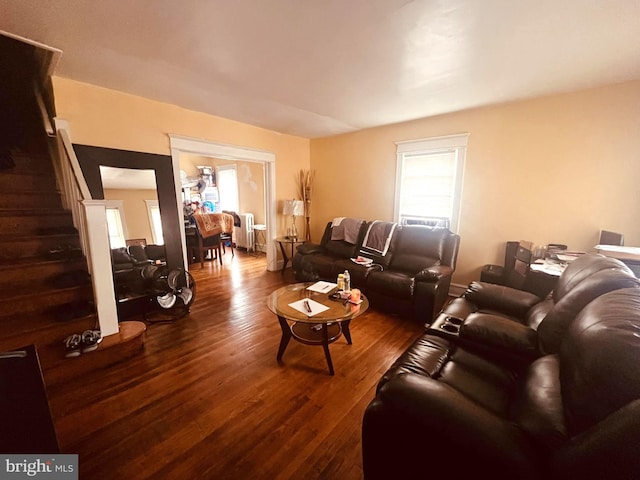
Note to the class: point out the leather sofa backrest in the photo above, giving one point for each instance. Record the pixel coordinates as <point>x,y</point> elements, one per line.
<point>138,253</point>
<point>553,328</point>
<point>599,360</point>
<point>341,248</point>
<point>120,256</point>
<point>155,252</point>
<point>417,247</point>
<point>581,268</point>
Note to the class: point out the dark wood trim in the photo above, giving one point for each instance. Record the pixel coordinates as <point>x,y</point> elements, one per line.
<point>91,158</point>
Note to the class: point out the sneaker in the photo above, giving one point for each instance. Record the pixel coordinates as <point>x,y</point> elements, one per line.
<point>90,340</point>
<point>72,345</point>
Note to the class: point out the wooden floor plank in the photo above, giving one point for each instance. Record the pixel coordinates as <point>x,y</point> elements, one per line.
<point>207,399</point>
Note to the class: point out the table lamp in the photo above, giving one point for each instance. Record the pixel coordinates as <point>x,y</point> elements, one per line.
<point>295,208</point>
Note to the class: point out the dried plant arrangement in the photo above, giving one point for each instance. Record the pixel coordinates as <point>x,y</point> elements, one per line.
<point>304,182</point>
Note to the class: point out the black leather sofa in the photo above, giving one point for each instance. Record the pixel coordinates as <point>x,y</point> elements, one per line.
<point>128,263</point>
<point>411,279</point>
<point>571,410</point>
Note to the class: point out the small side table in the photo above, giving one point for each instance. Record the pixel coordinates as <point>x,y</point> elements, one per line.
<point>291,241</point>
<point>259,238</point>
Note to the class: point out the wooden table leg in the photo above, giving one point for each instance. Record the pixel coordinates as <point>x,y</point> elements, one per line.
<point>286,336</point>
<point>346,331</point>
<point>325,346</point>
<point>285,259</point>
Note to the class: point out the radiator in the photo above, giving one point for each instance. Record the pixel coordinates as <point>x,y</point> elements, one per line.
<point>243,235</point>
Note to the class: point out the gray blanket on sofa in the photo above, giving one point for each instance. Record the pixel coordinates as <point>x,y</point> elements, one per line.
<point>378,237</point>
<point>345,228</point>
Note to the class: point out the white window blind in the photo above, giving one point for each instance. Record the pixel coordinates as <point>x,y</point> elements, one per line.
<point>429,179</point>
<point>155,220</point>
<point>228,188</point>
<point>114,225</point>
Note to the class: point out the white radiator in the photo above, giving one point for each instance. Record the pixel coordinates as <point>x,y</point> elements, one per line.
<point>243,235</point>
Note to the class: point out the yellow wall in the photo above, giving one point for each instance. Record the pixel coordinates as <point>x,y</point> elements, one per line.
<point>135,210</point>
<point>108,118</point>
<point>550,170</point>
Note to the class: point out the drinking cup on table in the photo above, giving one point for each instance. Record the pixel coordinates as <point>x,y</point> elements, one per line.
<point>355,295</point>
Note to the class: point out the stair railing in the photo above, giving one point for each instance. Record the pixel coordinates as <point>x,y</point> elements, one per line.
<point>90,219</point>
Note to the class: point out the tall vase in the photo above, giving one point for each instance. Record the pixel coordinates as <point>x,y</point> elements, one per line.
<point>307,213</point>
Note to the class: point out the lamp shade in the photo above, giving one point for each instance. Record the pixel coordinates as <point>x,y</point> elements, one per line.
<point>293,207</point>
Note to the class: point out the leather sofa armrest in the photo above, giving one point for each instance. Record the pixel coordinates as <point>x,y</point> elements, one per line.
<point>433,273</point>
<point>501,335</point>
<point>604,450</point>
<point>500,298</point>
<point>308,248</point>
<point>450,426</point>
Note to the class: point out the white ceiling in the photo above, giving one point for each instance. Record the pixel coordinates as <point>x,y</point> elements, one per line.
<point>127,178</point>
<point>322,67</point>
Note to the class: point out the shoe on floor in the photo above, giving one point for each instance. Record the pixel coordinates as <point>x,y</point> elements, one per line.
<point>73,345</point>
<point>90,340</point>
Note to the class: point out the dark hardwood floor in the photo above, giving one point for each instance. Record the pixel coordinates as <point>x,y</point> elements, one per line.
<point>207,399</point>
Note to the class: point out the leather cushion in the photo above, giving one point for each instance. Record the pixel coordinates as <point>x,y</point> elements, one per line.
<point>498,298</point>
<point>486,383</point>
<point>426,356</point>
<point>552,330</point>
<point>391,283</point>
<point>418,247</point>
<point>121,255</point>
<point>537,405</point>
<point>340,248</point>
<point>581,268</point>
<point>599,359</point>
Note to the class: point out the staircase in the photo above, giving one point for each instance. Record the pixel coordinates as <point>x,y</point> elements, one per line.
<point>46,293</point>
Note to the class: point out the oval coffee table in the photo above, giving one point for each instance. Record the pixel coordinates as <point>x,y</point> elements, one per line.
<point>321,328</point>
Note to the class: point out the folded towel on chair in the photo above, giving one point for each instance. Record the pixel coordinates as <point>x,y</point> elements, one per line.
<point>346,229</point>
<point>378,237</point>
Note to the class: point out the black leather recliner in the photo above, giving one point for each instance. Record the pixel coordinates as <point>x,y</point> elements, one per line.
<point>513,324</point>
<point>574,414</point>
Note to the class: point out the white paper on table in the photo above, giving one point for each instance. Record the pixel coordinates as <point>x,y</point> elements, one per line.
<point>316,307</point>
<point>322,286</point>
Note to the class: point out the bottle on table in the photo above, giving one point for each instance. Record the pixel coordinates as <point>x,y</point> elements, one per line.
<point>347,281</point>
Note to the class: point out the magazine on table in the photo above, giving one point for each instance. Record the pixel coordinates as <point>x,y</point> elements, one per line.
<point>322,287</point>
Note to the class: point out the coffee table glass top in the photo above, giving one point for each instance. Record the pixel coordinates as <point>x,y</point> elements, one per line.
<point>278,302</point>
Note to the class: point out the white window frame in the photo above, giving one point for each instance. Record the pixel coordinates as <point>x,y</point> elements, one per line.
<point>151,205</point>
<point>456,143</point>
<point>118,205</point>
<point>221,193</point>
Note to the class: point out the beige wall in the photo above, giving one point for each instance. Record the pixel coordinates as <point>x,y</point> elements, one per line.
<point>550,170</point>
<point>108,118</point>
<point>135,210</point>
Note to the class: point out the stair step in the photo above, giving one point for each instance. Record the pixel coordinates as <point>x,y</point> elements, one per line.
<point>41,329</point>
<point>29,163</point>
<point>15,182</point>
<point>57,369</point>
<point>18,250</point>
<point>29,200</point>
<point>26,302</point>
<point>35,272</point>
<point>30,222</point>
<point>40,283</point>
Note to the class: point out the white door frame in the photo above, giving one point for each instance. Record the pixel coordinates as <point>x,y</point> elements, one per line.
<point>198,146</point>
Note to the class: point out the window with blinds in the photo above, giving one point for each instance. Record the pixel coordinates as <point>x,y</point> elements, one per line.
<point>429,181</point>
<point>114,226</point>
<point>228,188</point>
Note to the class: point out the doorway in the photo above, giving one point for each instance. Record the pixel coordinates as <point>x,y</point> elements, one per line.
<point>185,145</point>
